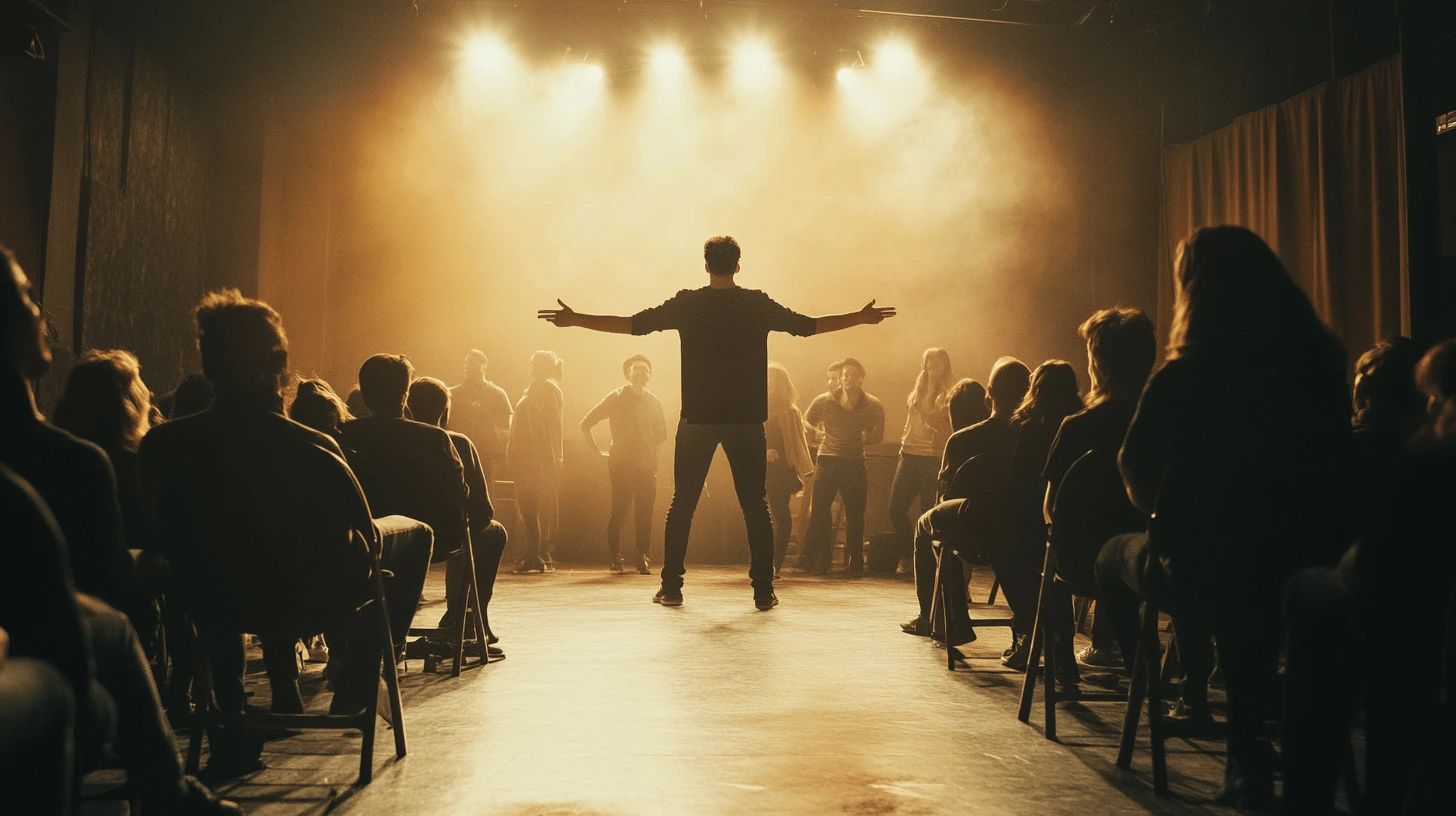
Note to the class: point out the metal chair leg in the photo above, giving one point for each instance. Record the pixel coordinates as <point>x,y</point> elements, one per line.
<point>1028,685</point>
<point>1136,690</point>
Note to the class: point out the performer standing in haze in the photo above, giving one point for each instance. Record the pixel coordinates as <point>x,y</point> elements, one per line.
<point>724,332</point>
<point>634,416</point>
<point>535,454</point>
<point>482,411</point>
<point>789,462</point>
<point>851,419</point>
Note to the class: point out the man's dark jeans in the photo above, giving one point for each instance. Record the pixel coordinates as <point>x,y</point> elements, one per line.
<point>849,479</point>
<point>915,478</point>
<point>1016,568</point>
<point>489,544</point>
<point>634,487</point>
<point>747,452</point>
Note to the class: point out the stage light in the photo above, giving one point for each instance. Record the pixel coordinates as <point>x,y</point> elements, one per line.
<point>845,75</point>
<point>486,55</point>
<point>594,73</point>
<point>753,63</point>
<point>666,60</point>
<point>895,58</point>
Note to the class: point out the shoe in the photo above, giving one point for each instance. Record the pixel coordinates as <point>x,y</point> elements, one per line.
<point>667,598</point>
<point>490,637</point>
<point>530,565</point>
<point>197,800</point>
<point>1021,647</point>
<point>1100,658</point>
<point>856,570</point>
<point>644,565</point>
<point>1248,784</point>
<point>766,602</point>
<point>615,566</point>
<point>472,649</point>
<point>1190,714</point>
<point>548,565</point>
<point>421,648</point>
<point>238,753</point>
<point>917,627</point>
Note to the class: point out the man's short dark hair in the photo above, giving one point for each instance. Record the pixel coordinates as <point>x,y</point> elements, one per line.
<point>1123,349</point>
<point>967,404</point>
<point>636,358</point>
<point>850,362</point>
<point>1385,383</point>
<point>384,381</point>
<point>429,399</point>
<point>1010,379</point>
<point>242,342</point>
<point>722,254</point>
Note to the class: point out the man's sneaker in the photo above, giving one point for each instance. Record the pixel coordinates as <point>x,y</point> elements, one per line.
<point>644,565</point>
<point>1100,658</point>
<point>616,567</point>
<point>766,602</point>
<point>668,598</point>
<point>1019,653</point>
<point>918,627</point>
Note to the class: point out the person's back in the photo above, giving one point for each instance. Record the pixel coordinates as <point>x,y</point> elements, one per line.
<point>257,509</point>
<point>410,469</point>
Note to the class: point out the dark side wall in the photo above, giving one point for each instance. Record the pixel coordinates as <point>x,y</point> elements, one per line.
<point>152,197</point>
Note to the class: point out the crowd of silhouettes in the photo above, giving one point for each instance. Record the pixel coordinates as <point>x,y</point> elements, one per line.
<point>1282,520</point>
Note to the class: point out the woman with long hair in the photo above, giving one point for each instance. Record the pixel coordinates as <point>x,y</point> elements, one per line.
<point>927,426</point>
<point>789,463</point>
<point>318,406</point>
<point>535,456</point>
<point>1239,453</point>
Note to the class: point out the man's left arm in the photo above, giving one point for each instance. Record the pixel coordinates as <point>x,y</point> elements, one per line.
<point>566,316</point>
<point>875,434</point>
<point>868,316</point>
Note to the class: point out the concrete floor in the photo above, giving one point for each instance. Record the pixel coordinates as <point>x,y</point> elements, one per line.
<point>610,704</point>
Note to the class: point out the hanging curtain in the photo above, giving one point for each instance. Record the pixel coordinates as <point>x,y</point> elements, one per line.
<point>1321,177</point>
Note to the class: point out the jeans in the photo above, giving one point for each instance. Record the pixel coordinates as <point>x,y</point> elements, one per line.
<point>406,549</point>
<point>1011,558</point>
<point>1239,611</point>
<point>915,477</point>
<point>781,488</point>
<point>489,544</point>
<point>536,497</point>
<point>849,479</point>
<point>37,730</point>
<point>634,487</point>
<point>746,451</point>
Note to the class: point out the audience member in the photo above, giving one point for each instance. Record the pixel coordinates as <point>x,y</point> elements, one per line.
<point>482,411</point>
<point>1239,451</point>
<point>1051,397</point>
<point>263,523</point>
<point>73,476</point>
<point>1388,410</point>
<point>315,405</point>
<point>851,418</point>
<point>967,404</point>
<point>406,468</point>
<point>193,396</point>
<point>634,416</point>
<point>430,403</point>
<point>927,425</point>
<point>1121,350</point>
<point>535,452</point>
<point>355,403</point>
<point>789,464</point>
<point>992,436</point>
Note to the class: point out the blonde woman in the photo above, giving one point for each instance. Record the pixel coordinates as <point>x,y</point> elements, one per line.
<point>788,458</point>
<point>535,455</point>
<point>927,426</point>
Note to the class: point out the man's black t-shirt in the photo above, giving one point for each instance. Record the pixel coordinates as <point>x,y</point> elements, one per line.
<point>724,334</point>
<point>1101,428</point>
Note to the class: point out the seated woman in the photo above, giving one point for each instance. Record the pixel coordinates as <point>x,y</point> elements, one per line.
<point>1240,446</point>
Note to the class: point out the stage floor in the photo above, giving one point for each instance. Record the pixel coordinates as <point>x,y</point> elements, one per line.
<point>610,704</point>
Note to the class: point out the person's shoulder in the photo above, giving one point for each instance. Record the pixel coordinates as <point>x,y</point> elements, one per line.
<point>461,442</point>
<point>651,397</point>
<point>874,401</point>
<point>821,399</point>
<point>63,443</point>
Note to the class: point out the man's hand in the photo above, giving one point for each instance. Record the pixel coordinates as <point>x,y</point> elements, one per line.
<point>561,318</point>
<point>873,314</point>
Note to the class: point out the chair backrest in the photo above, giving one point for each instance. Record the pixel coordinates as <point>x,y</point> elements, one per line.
<point>982,478</point>
<point>1091,507</point>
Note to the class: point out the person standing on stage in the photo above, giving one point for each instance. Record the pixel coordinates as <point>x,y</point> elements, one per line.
<point>482,411</point>
<point>789,462</point>
<point>635,418</point>
<point>535,455</point>
<point>927,426</point>
<point>724,333</point>
<point>851,419</point>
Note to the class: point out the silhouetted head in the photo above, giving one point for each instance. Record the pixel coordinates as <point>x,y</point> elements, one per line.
<point>1233,299</point>
<point>319,407</point>
<point>933,383</point>
<point>1121,350</point>
<point>1436,376</point>
<point>21,325</point>
<point>193,396</point>
<point>429,401</point>
<point>720,255</point>
<point>1052,394</point>
<point>545,365</point>
<point>475,364</point>
<point>781,390</point>
<point>355,403</point>
<point>968,404</point>
<point>244,349</point>
<point>384,380</point>
<point>1385,392</point>
<point>105,400</point>
<point>1008,383</point>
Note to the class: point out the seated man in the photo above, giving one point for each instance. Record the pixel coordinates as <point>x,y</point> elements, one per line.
<point>406,468</point>
<point>429,402</point>
<point>261,520</point>
<point>98,688</point>
<point>1009,381</point>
